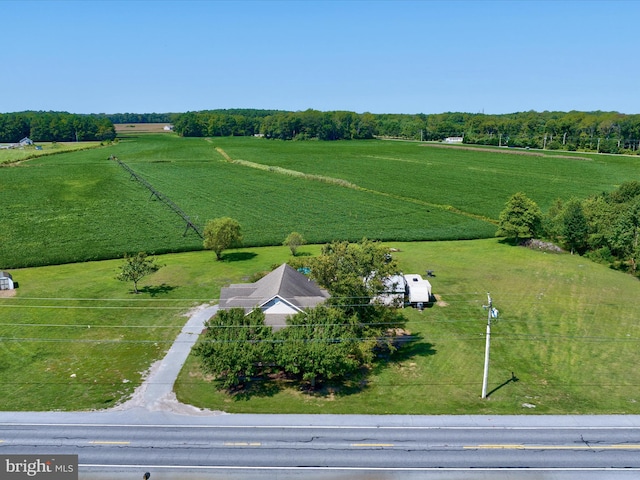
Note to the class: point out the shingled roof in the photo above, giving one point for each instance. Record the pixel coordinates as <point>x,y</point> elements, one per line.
<point>280,294</point>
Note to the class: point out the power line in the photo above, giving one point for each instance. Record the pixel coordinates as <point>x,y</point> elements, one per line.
<point>470,336</point>
<point>78,307</point>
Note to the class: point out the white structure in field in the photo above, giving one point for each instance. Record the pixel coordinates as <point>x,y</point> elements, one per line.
<point>418,290</point>
<point>6,281</point>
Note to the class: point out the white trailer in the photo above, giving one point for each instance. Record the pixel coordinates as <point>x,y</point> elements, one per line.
<point>418,290</point>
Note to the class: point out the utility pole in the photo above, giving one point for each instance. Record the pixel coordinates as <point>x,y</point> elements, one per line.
<point>493,313</point>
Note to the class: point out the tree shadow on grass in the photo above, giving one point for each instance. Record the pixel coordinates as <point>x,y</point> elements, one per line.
<point>509,241</point>
<point>155,290</point>
<point>412,347</point>
<point>257,387</point>
<point>351,385</point>
<point>409,346</point>
<point>238,256</point>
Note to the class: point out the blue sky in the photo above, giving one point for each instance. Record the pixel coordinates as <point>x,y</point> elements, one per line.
<point>425,56</point>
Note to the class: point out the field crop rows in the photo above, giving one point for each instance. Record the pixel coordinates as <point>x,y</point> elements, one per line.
<point>478,182</point>
<point>81,206</point>
<point>77,207</point>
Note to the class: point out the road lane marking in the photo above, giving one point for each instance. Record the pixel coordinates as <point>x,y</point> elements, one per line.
<point>100,442</point>
<point>372,445</point>
<point>330,427</point>
<point>552,447</point>
<point>242,444</point>
<point>90,466</point>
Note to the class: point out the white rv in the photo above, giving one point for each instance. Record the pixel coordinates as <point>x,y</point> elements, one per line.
<point>418,290</point>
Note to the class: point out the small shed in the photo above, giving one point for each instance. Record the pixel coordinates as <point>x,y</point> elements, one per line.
<point>6,281</point>
<point>25,141</point>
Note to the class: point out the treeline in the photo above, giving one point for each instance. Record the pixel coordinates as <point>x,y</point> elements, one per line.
<point>605,132</point>
<point>55,127</point>
<point>310,124</point>
<point>142,117</point>
<point>603,227</point>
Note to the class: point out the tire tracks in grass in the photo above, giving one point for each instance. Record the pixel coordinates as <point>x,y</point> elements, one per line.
<point>346,184</point>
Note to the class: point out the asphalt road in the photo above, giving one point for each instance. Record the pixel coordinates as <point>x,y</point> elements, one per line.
<point>126,444</point>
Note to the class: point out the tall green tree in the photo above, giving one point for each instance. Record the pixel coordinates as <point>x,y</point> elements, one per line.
<point>574,227</point>
<point>552,221</point>
<point>625,236</point>
<point>600,214</point>
<point>221,234</point>
<point>520,219</point>
<point>294,240</point>
<point>318,344</point>
<point>236,347</point>
<point>354,273</point>
<point>136,267</point>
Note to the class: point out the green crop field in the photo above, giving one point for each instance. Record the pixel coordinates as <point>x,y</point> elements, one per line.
<point>82,206</point>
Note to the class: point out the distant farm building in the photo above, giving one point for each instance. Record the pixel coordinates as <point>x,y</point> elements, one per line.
<point>280,294</point>
<point>26,141</point>
<point>453,140</point>
<point>6,281</point>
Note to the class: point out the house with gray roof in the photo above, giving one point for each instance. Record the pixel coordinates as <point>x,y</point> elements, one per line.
<point>280,294</point>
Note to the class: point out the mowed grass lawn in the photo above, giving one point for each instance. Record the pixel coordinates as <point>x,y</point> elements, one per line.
<point>81,206</point>
<point>567,330</point>
<point>75,338</point>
